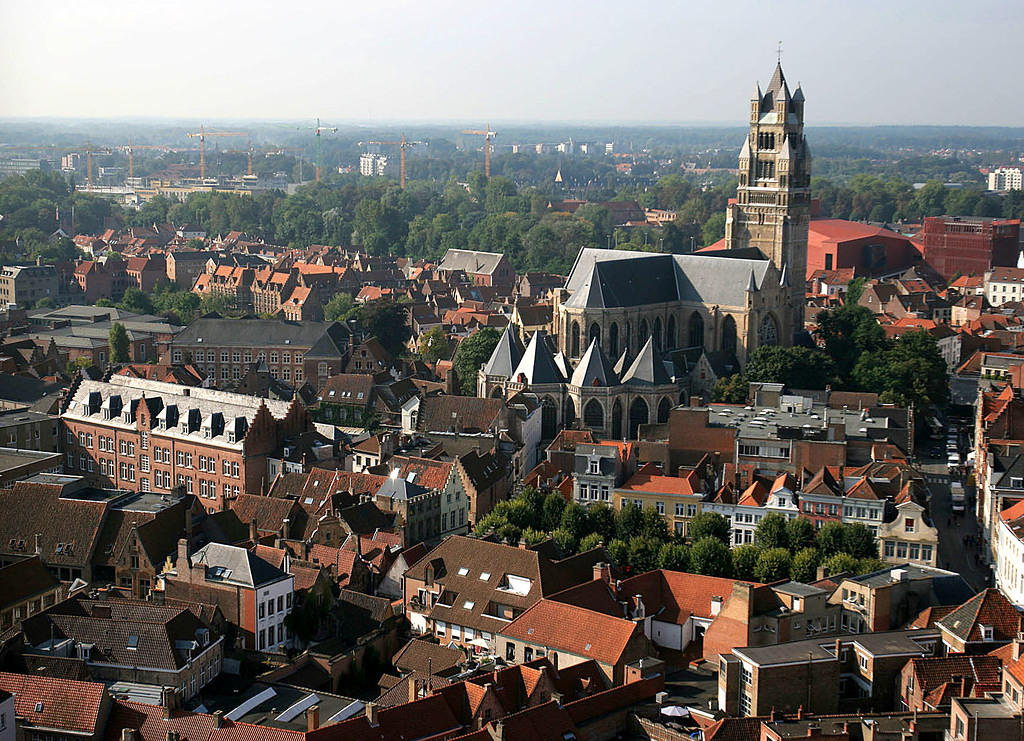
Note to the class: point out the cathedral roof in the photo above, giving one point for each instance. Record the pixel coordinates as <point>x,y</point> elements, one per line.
<point>563,364</point>
<point>778,82</point>
<point>628,278</point>
<point>537,365</point>
<point>648,368</point>
<point>506,356</point>
<point>745,149</point>
<point>622,363</point>
<point>594,369</point>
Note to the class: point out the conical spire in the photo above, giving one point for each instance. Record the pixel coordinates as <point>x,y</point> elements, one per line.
<point>784,277</point>
<point>507,354</point>
<point>594,369</point>
<point>752,283</point>
<point>648,368</point>
<point>778,81</point>
<point>623,362</point>
<point>537,365</point>
<point>563,364</point>
<point>757,92</point>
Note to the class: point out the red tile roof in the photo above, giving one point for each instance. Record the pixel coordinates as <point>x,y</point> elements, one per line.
<point>987,608</point>
<point>574,630</point>
<point>644,481</point>
<point>680,593</point>
<point>61,704</point>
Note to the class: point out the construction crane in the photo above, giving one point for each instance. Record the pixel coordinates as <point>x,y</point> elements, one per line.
<point>318,129</point>
<point>402,144</point>
<point>202,134</point>
<point>488,135</point>
<point>89,152</point>
<point>246,152</point>
<point>130,148</point>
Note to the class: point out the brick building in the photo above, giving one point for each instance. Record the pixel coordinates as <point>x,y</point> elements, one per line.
<point>27,284</point>
<point>293,351</point>
<point>139,434</point>
<point>967,245</point>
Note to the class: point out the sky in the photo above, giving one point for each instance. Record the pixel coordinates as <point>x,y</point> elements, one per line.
<point>859,61</point>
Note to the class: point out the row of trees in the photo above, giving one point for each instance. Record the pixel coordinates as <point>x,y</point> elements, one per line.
<point>638,540</point>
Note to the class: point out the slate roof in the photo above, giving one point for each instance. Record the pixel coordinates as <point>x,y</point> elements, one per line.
<point>506,355</point>
<point>594,369</point>
<point>323,338</point>
<point>246,568</point>
<point>470,261</point>
<point>648,368</point>
<point>399,489</point>
<point>613,278</point>
<point>537,365</point>
<point>466,413</point>
<point>989,608</point>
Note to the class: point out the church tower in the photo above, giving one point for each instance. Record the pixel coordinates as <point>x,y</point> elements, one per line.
<point>772,205</point>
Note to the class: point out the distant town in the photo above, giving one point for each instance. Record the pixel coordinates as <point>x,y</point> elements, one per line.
<point>494,435</point>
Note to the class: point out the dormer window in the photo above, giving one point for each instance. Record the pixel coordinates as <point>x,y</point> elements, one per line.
<point>987,633</point>
<point>1017,482</point>
<point>594,466</point>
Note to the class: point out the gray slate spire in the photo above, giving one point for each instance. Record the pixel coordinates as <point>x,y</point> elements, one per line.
<point>648,368</point>
<point>594,369</point>
<point>537,365</point>
<point>506,356</point>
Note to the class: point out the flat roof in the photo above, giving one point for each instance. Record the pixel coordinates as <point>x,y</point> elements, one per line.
<point>823,649</point>
<point>15,457</point>
<point>814,423</point>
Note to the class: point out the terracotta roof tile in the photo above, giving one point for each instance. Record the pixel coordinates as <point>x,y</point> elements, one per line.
<point>60,704</point>
<point>574,630</point>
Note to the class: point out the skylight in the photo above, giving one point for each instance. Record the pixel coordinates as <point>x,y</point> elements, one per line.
<point>469,604</point>
<point>485,575</point>
<point>133,643</point>
<point>587,647</point>
<point>463,571</point>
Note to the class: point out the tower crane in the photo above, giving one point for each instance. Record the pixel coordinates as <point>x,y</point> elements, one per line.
<point>202,134</point>
<point>317,130</point>
<point>488,135</point>
<point>402,144</point>
<point>89,152</point>
<point>130,148</point>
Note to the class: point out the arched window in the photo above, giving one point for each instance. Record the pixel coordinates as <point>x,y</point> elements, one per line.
<point>664,407</point>
<point>595,334</point>
<point>768,332</point>
<point>574,340</point>
<point>593,415</point>
<point>729,335</point>
<point>670,333</point>
<point>613,340</point>
<point>548,418</point>
<point>497,392</point>
<point>657,332</point>
<point>639,414</point>
<point>568,412</point>
<point>641,333</point>
<point>695,331</point>
<point>617,420</point>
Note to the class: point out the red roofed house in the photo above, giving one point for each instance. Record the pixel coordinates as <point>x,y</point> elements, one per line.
<point>835,244</point>
<point>980,624</point>
<point>929,683</point>
<point>56,708</point>
<point>677,498</point>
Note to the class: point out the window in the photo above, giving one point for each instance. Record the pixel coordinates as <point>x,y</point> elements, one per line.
<point>273,356</point>
<point>926,553</point>
<point>439,627</point>
<point>510,651</point>
<point>680,509</point>
<point>321,369</point>
<point>144,463</point>
<point>270,606</point>
<point>660,507</point>
<point>468,604</point>
<point>908,524</point>
<point>890,549</point>
<point>223,356</point>
<point>236,357</point>
<point>263,610</point>
<point>181,458</point>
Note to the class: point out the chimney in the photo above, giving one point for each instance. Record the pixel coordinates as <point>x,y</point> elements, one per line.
<point>497,730</point>
<point>716,605</point>
<point>312,718</point>
<point>557,697</point>
<point>166,702</point>
<point>39,544</point>
<point>553,658</point>
<point>253,533</point>
<point>800,713</point>
<point>218,718</point>
<point>696,401</point>
<point>128,734</point>
<point>371,714</point>
<point>182,564</point>
<point>603,571</point>
<point>839,647</point>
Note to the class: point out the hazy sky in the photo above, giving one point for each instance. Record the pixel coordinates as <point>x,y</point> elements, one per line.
<point>860,61</point>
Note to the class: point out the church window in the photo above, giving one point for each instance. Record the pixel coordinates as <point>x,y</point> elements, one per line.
<point>574,339</point>
<point>664,407</point>
<point>613,339</point>
<point>670,332</point>
<point>696,331</point>
<point>593,415</point>
<point>729,335</point>
<point>768,332</point>
<point>595,333</point>
<point>657,332</point>
<point>641,335</point>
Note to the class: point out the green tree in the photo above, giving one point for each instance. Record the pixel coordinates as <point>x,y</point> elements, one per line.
<point>433,345</point>
<point>217,303</point>
<point>714,228</point>
<point>870,565</point>
<point>805,565</point>
<point>387,321</point>
<point>532,536</point>
<point>848,332</point>
<point>509,533</point>
<point>136,301</point>
<point>629,521</point>
<point>338,307</point>
<point>771,531</point>
<point>590,542</point>
<point>838,563</point>
<point>744,561</point>
<point>830,539</point>
<point>643,554</point>
<point>674,557</point>
<point>711,557</point>
<point>773,564</point>
<point>618,551</point>
<point>601,519</point>
<point>796,367</point>
<point>710,525</point>
<point>120,346</point>
<point>799,534</point>
<point>731,389</point>
<point>554,506</point>
<point>575,520</point>
<point>473,352</point>
<point>859,542</point>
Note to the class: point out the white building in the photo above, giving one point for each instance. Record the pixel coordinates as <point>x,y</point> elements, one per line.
<point>1004,284</point>
<point>372,165</point>
<point>1006,178</point>
<point>1010,554</point>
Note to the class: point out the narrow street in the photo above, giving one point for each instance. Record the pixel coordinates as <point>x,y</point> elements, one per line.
<point>958,534</point>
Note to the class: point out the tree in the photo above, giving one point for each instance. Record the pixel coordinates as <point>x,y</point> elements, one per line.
<point>830,539</point>
<point>796,367</point>
<point>136,301</point>
<point>590,542</point>
<point>799,534</point>
<point>387,321</point>
<point>629,521</point>
<point>805,565</point>
<point>643,554</point>
<point>674,557</point>
<point>710,557</point>
<point>473,352</point>
<point>838,563</point>
<point>869,566</point>
<point>338,307</point>
<point>433,345</point>
<point>120,346</point>
<point>217,303</point>
<point>531,536</point>
<point>859,542</point>
<point>848,332</point>
<point>509,533</point>
<point>554,505</point>
<point>617,551</point>
<point>575,521</point>
<point>773,564</point>
<point>771,531</point>
<point>710,525</point>
<point>730,389</point>
<point>744,560</point>
<point>714,228</point>
<point>601,519</point>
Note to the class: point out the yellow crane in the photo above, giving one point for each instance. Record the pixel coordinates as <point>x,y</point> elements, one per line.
<point>130,148</point>
<point>488,135</point>
<point>202,134</point>
<point>89,152</point>
<point>402,144</point>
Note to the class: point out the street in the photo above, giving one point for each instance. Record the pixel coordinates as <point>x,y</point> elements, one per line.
<point>955,553</point>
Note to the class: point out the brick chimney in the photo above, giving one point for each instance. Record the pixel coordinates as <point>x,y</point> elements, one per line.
<point>166,702</point>
<point>603,571</point>
<point>218,718</point>
<point>253,532</point>
<point>371,714</point>
<point>312,718</point>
